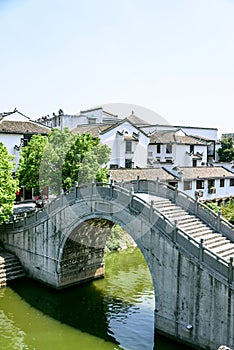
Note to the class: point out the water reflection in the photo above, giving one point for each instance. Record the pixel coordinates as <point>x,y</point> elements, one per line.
<point>108,314</point>
<point>111,308</point>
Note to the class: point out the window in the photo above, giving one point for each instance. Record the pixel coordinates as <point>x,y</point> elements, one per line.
<point>158,148</point>
<point>128,147</point>
<point>150,153</point>
<point>191,149</point>
<point>92,120</point>
<point>211,183</point>
<point>168,148</point>
<point>231,182</point>
<point>211,186</point>
<point>24,141</point>
<point>128,163</point>
<point>187,185</point>
<point>221,182</point>
<point>113,166</point>
<point>200,184</point>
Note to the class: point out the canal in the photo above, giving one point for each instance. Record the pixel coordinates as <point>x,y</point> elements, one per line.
<point>116,312</point>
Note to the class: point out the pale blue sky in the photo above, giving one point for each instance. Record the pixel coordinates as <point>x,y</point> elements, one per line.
<point>175,57</point>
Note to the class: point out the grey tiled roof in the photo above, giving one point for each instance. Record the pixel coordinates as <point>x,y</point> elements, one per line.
<point>171,137</point>
<point>134,119</point>
<point>205,172</point>
<point>21,127</point>
<point>92,129</point>
<point>148,173</point>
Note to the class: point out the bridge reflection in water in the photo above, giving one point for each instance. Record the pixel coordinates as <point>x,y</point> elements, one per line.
<point>117,309</point>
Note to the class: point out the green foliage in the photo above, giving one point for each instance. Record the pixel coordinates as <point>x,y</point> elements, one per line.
<point>227,209</point>
<point>226,151</point>
<point>213,206</point>
<point>57,147</point>
<point>29,163</point>
<point>8,185</point>
<point>70,158</point>
<point>84,160</point>
<point>60,160</point>
<point>118,239</point>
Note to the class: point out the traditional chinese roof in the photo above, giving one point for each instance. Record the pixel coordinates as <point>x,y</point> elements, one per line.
<point>136,120</point>
<point>119,175</point>
<point>171,136</point>
<point>17,123</point>
<point>93,129</point>
<point>202,172</point>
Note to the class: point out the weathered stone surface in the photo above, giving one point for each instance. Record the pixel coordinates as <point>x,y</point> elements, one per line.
<point>194,294</point>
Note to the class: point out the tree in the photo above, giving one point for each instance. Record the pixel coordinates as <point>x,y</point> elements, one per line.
<point>226,151</point>
<point>85,161</point>
<point>8,185</point>
<point>59,143</point>
<point>60,159</point>
<point>29,163</point>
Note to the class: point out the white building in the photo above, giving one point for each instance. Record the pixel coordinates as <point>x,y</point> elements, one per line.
<point>16,130</point>
<point>207,182</point>
<point>176,147</point>
<point>128,143</point>
<point>71,121</point>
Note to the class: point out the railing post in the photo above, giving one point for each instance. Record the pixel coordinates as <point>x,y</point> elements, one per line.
<point>201,251</point>
<point>230,270</point>
<point>219,220</point>
<point>138,183</point>
<point>196,205</point>
<point>157,185</point>
<point>76,189</point>
<point>176,193</point>
<point>175,230</point>
<point>131,196</point>
<point>151,211</point>
<point>111,189</point>
<point>92,186</point>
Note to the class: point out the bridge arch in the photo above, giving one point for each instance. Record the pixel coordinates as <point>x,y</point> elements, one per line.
<point>89,235</point>
<point>189,279</point>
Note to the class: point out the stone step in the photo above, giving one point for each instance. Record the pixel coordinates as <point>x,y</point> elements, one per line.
<point>188,218</point>
<point>169,209</point>
<point>220,243</point>
<point>213,237</point>
<point>190,223</point>
<point>196,228</point>
<point>223,248</point>
<point>173,214</point>
<point>227,254</point>
<point>10,268</point>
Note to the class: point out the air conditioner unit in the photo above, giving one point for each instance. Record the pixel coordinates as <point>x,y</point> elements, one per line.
<point>198,193</point>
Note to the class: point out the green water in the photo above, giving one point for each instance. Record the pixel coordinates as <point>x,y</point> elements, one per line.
<point>111,313</point>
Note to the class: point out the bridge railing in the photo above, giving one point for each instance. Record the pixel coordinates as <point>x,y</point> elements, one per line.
<point>193,206</point>
<point>183,240</point>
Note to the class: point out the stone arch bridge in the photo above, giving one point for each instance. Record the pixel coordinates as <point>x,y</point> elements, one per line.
<point>187,247</point>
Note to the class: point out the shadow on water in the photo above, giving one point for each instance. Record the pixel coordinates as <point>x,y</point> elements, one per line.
<point>93,307</point>
<point>81,307</point>
<point>118,308</point>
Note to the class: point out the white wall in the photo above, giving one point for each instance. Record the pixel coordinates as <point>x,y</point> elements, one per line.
<point>117,144</point>
<point>225,191</point>
<point>10,140</point>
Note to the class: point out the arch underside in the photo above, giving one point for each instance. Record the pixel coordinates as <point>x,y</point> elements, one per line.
<point>82,249</point>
